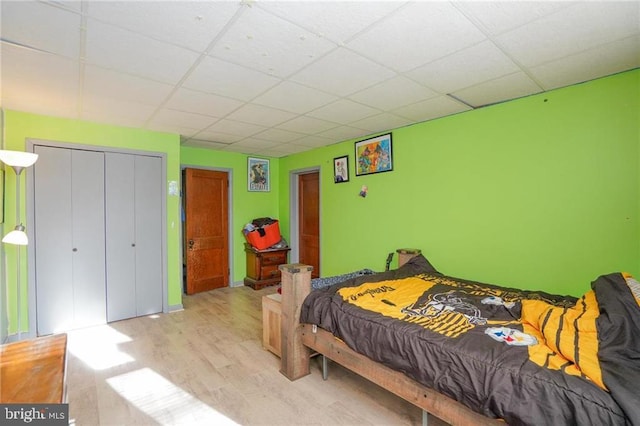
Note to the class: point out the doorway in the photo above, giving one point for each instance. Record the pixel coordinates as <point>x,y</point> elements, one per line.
<point>206,229</point>
<point>307,213</point>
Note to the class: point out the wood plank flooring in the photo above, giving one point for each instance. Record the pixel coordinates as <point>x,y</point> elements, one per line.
<point>205,365</point>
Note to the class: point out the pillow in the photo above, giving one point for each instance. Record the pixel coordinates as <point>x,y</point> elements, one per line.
<point>415,266</point>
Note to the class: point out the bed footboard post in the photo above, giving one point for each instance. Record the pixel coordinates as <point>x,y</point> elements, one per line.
<point>296,285</point>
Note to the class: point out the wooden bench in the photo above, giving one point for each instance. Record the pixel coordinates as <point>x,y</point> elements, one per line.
<point>34,371</point>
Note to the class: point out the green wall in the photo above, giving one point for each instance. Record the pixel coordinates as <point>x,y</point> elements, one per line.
<point>542,192</point>
<point>245,205</point>
<point>19,126</point>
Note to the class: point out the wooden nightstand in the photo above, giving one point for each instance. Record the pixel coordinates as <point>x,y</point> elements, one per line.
<point>262,266</point>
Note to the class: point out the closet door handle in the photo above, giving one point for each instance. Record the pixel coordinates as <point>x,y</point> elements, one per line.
<point>133,244</point>
<point>191,243</point>
<point>74,249</point>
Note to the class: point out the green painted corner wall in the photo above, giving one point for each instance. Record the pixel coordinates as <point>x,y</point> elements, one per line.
<point>244,205</point>
<point>541,192</point>
<point>19,126</point>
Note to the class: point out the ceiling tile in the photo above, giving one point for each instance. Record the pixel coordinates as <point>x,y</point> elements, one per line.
<point>181,119</point>
<point>39,82</point>
<point>217,136</point>
<point>307,125</point>
<point>41,26</point>
<point>408,42</point>
<point>571,30</point>
<point>255,144</point>
<point>394,93</point>
<point>343,111</point>
<point>223,78</point>
<point>286,149</point>
<point>496,17</point>
<point>335,20</point>
<point>431,108</point>
<point>499,90</point>
<point>190,24</point>
<point>278,135</point>
<point>198,143</point>
<point>236,128</point>
<point>121,50</point>
<point>313,141</point>
<point>105,110</point>
<point>200,102</point>
<point>464,68</point>
<point>267,43</point>
<point>294,98</point>
<point>111,84</point>
<point>604,60</point>
<point>342,72</point>
<point>382,122</point>
<point>343,133</point>
<point>258,114</point>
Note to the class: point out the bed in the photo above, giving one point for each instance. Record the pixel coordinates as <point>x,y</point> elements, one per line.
<point>474,353</point>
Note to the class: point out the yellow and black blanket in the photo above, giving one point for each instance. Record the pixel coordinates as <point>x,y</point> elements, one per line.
<point>530,358</point>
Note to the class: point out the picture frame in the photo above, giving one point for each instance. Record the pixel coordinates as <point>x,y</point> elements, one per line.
<point>341,169</point>
<point>374,155</point>
<point>258,175</point>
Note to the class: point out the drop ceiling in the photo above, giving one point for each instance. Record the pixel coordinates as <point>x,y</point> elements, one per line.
<point>274,78</point>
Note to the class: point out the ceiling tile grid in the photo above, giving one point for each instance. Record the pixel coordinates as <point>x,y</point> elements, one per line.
<point>274,78</point>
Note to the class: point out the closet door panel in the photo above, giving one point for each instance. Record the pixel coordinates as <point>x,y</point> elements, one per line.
<point>88,252</point>
<point>120,229</point>
<point>148,234</point>
<point>52,240</point>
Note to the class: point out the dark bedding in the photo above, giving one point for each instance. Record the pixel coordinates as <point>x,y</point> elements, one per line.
<point>530,358</point>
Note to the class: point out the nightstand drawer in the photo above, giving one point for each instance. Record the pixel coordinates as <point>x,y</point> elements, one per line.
<point>269,272</point>
<point>276,258</point>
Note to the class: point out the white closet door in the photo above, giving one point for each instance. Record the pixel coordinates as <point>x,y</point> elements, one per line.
<point>148,236</point>
<point>69,239</point>
<point>88,252</point>
<point>121,260</point>
<point>134,242</point>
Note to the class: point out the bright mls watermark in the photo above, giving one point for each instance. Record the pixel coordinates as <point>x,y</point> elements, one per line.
<point>34,414</point>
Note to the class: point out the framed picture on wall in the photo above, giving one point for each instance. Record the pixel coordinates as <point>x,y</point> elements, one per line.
<point>341,169</point>
<point>374,155</point>
<point>258,175</point>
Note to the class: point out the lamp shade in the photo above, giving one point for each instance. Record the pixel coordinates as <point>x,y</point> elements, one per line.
<point>18,158</point>
<point>17,237</point>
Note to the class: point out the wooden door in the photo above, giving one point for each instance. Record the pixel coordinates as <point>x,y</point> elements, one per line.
<point>309,220</point>
<point>206,230</point>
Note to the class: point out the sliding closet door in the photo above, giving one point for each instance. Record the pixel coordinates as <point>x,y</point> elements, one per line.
<point>134,243</point>
<point>148,236</point>
<point>69,239</point>
<point>120,227</point>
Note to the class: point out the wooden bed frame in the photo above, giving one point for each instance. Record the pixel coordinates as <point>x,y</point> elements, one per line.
<point>299,340</point>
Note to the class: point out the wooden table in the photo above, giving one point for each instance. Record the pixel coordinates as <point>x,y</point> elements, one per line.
<point>34,371</point>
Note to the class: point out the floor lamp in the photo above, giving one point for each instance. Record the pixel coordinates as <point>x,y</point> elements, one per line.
<point>17,160</point>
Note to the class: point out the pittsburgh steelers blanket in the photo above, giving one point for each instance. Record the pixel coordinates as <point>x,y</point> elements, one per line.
<point>530,358</point>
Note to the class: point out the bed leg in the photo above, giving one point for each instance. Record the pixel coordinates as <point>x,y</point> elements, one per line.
<point>296,285</point>
<point>325,368</point>
<point>425,418</point>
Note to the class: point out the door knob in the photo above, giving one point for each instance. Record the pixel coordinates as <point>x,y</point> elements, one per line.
<point>75,249</point>
<point>191,243</point>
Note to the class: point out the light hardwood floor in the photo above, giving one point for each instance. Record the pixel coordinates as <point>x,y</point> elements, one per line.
<point>205,365</point>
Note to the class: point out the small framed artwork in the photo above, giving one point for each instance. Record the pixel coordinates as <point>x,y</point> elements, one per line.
<point>258,175</point>
<point>341,169</point>
<point>374,155</point>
